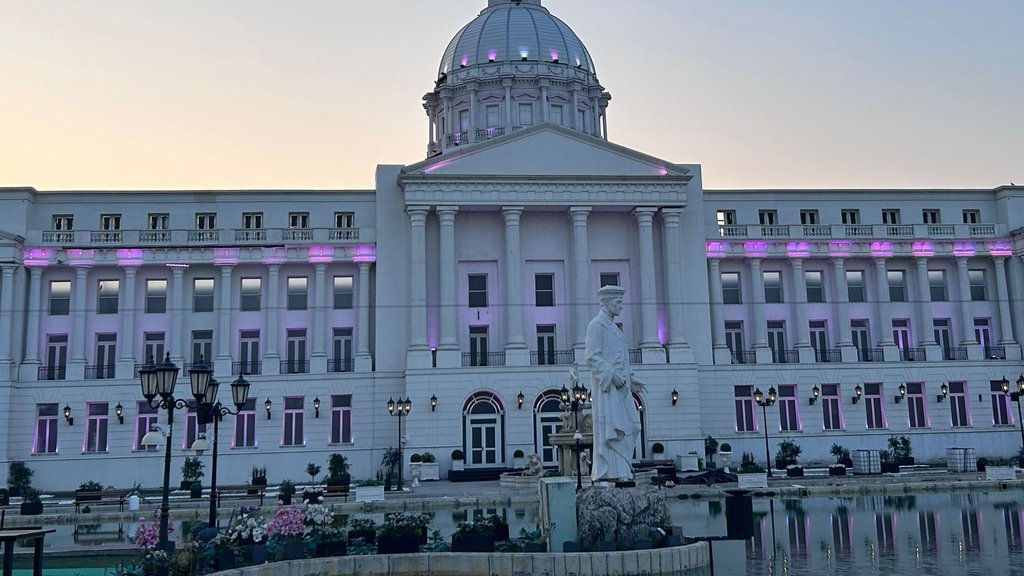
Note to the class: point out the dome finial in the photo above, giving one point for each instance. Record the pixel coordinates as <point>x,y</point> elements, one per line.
<point>493,3</point>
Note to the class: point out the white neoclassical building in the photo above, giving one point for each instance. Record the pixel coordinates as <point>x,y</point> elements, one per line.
<point>465,282</point>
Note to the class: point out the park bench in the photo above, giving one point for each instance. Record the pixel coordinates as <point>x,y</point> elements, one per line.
<point>341,491</point>
<point>92,498</point>
<point>240,491</point>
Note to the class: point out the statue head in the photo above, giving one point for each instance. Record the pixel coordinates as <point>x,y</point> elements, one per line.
<point>611,299</point>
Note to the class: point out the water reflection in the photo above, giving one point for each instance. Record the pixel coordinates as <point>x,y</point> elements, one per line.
<point>934,534</point>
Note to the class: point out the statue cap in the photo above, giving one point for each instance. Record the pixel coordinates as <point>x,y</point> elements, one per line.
<point>611,291</point>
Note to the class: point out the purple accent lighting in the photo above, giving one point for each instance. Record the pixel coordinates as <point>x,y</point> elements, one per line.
<point>365,253</point>
<point>554,55</point>
<point>965,249</point>
<point>79,257</point>
<point>492,55</point>
<point>756,249</point>
<point>176,265</point>
<point>321,254</point>
<point>37,256</point>
<point>840,247</point>
<point>798,249</point>
<point>1000,248</point>
<point>437,166</point>
<point>662,171</point>
<point>923,249</point>
<point>464,61</point>
<point>225,256</point>
<point>883,249</point>
<point>717,249</point>
<point>130,257</point>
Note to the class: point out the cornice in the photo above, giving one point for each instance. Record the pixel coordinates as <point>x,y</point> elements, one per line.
<point>653,191</point>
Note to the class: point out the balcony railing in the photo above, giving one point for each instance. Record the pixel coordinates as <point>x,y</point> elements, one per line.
<point>812,231</point>
<point>58,237</point>
<point>995,352</point>
<point>870,355</point>
<point>106,237</point>
<point>341,365</point>
<point>899,230</point>
<point>154,236</point>
<point>954,353</point>
<point>206,237</point>
<point>913,354</point>
<point>458,138</point>
<point>488,359</point>
<point>785,357</point>
<point>488,133</point>
<point>744,357</point>
<point>344,234</point>
<point>203,236</point>
<point>775,231</point>
<point>250,235</point>
<point>298,235</point>
<point>552,357</point>
<point>636,356</point>
<point>99,371</point>
<point>828,355</point>
<point>294,366</point>
<point>52,373</point>
<point>246,368</point>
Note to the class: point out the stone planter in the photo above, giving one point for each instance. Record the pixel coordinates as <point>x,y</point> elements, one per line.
<point>687,462</point>
<point>472,543</point>
<point>795,472</point>
<point>837,470</point>
<point>429,471</point>
<point>328,549</point>
<point>415,469</point>
<point>293,551</point>
<point>369,493</point>
<point>458,465</point>
<point>754,480</point>
<point>31,508</point>
<point>398,544</point>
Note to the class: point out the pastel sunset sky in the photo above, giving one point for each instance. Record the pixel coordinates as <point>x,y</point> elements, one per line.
<point>129,94</point>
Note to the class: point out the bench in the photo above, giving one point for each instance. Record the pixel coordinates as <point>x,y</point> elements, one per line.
<point>336,492</point>
<point>98,497</point>
<point>239,491</point>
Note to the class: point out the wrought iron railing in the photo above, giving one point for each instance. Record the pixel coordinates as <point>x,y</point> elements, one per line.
<point>487,359</point>
<point>99,371</point>
<point>954,353</point>
<point>828,355</point>
<point>52,373</point>
<point>913,354</point>
<point>636,356</point>
<point>552,357</point>
<point>995,352</point>
<point>785,357</point>
<point>246,368</point>
<point>744,357</point>
<point>870,355</point>
<point>341,365</point>
<point>294,366</point>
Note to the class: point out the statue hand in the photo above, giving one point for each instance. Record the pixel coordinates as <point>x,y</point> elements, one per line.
<point>637,384</point>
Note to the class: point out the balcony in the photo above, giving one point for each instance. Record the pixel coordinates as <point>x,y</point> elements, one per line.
<point>744,357</point>
<point>827,355</point>
<point>488,133</point>
<point>636,356</point>
<point>486,359</point>
<point>457,138</point>
<point>870,355</point>
<point>552,357</point>
<point>230,237</point>
<point>297,235</point>
<point>824,231</point>
<point>341,365</point>
<point>250,236</point>
<point>344,234</point>
<point>246,368</point>
<point>52,373</point>
<point>294,366</point>
<point>954,353</point>
<point>106,237</point>
<point>203,236</point>
<point>99,371</point>
<point>995,352</point>
<point>912,354</point>
<point>785,357</point>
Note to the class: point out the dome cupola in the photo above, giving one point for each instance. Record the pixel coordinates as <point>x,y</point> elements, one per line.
<point>513,66</point>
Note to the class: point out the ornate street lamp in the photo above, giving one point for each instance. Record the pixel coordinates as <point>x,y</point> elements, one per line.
<point>211,410</point>
<point>764,403</point>
<point>400,408</point>
<point>576,401</point>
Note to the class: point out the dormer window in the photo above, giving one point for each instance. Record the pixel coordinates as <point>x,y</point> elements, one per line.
<point>526,114</point>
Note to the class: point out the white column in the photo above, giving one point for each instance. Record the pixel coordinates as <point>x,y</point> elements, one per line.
<point>222,363</point>
<point>574,112</point>
<point>29,367</point>
<point>6,312</point>
<point>126,362</point>
<point>272,338</point>
<point>925,330</point>
<point>648,294</point>
<point>884,316</point>
<point>844,337</point>
<point>364,362</point>
<point>604,123</point>
<point>448,355</point>
<point>473,122</point>
<point>675,299</point>
<point>1003,297</point>
<point>177,342</point>
<point>544,115</point>
<point>418,353</point>
<point>579,215</point>
<point>78,298</point>
<point>516,353</point>
<point>508,106</point>
<point>803,337</point>
<point>318,359</point>
<point>762,352</point>
<point>721,351</point>
<point>966,319</point>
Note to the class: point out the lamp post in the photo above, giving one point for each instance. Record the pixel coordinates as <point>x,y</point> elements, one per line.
<point>763,402</point>
<point>576,400</point>
<point>1016,397</point>
<point>210,410</point>
<point>400,408</point>
<point>159,380</point>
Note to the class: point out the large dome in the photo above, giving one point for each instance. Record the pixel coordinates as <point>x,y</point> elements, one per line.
<point>513,31</point>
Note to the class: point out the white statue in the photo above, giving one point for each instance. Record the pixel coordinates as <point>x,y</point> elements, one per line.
<point>616,420</point>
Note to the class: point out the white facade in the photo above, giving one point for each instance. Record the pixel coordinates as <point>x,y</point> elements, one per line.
<point>470,277</point>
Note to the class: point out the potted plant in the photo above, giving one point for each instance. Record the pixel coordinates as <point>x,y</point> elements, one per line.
<point>5,497</point>
<point>402,533</point>
<point>458,460</point>
<point>901,450</point>
<point>390,461</point>
<point>533,540</point>
<point>364,529</point>
<point>245,537</point>
<point>328,540</point>
<point>370,489</point>
<point>415,462</point>
<point>31,504</point>
<point>518,460</point>
<point>285,491</point>
<point>337,471</point>
<point>658,450</point>
<point>787,455</point>
<point>259,477</point>
<point>843,461</point>
<point>195,490</point>
<point>751,474</point>
<point>311,494</point>
<point>479,535</point>
<point>725,451</point>
<point>889,465</point>
<point>286,529</point>
<point>429,469</point>
<point>19,477</point>
<point>191,472</point>
<point>89,486</point>
<point>710,449</point>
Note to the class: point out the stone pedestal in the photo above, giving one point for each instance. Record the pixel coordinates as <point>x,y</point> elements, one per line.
<point>566,444</point>
<point>558,510</point>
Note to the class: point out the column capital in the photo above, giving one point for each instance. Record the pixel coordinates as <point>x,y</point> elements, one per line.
<point>579,214</point>
<point>417,214</point>
<point>671,216</point>
<point>364,266</point>
<point>754,261</point>
<point>961,261</point>
<point>838,261</point>
<point>644,214</point>
<point>446,213</point>
<point>130,270</point>
<point>7,269</point>
<point>512,213</point>
<point>177,272</point>
<point>798,263</point>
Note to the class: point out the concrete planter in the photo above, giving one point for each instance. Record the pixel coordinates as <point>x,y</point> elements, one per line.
<point>1000,473</point>
<point>458,465</point>
<point>429,471</point>
<point>369,493</point>
<point>751,481</point>
<point>687,462</point>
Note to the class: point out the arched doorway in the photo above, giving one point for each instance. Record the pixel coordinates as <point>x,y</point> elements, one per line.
<point>483,430</point>
<point>547,420</point>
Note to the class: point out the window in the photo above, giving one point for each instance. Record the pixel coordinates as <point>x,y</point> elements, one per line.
<point>156,296</point>
<point>294,414</point>
<point>342,348</point>
<point>768,217</point>
<point>251,295</point>
<point>874,407</point>
<point>772,287</point>
<point>296,358</point>
<point>901,333</point>
<point>145,419</point>
<point>808,217</point>
<point>193,429</point>
<point>731,293</point>
<point>298,220</point>
<point>106,356</point>
<point>960,415</point>
<point>819,339</point>
<point>972,216</point>
<point>152,347</point>
<point>1000,404</point>
<point>581,121</point>
<point>777,340</point>
<point>202,295</point>
<point>815,289</point>
<point>890,216</point>
<point>916,405</point>
<point>930,216</point>
<point>464,120</point>
<point>159,221</point>
<point>477,290</point>
<point>63,222</point>
<point>478,346</point>
<point>56,356</point>
<point>855,286</point>
<point>943,336</point>
<point>977,280</point>
<point>245,425</point>
<point>831,407</point>
<point>249,352</point>
<point>110,222</point>
<point>106,296</point>
<point>744,396</point>
<point>252,220</point>
<point>726,217</point>
<point>96,427</point>
<point>734,339</point>
<point>46,429</point>
<point>60,297</point>
<point>850,216</point>
<point>861,336</point>
<point>341,419</point>
<point>789,418</point>
<point>297,292</point>
<point>206,221</point>
<point>344,219</point>
<point>342,292</point>
<point>897,285</point>
<point>493,116</point>
<point>937,285</point>
<point>983,332</point>
<point>556,115</point>
<point>609,279</point>
<point>526,114</point>
<point>545,344</point>
<point>202,346</point>
<point>544,290</point>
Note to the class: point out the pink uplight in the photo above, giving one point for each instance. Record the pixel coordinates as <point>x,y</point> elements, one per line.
<point>37,256</point>
<point>437,166</point>
<point>883,249</point>
<point>492,55</point>
<point>365,253</point>
<point>840,247</point>
<point>717,249</point>
<point>465,61</point>
<point>130,257</point>
<point>798,249</point>
<point>321,254</point>
<point>225,256</point>
<point>964,249</point>
<point>756,249</point>
<point>662,171</point>
<point>923,249</point>
<point>1000,248</point>
<point>554,55</point>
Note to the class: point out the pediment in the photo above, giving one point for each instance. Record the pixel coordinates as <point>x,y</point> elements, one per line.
<point>547,150</point>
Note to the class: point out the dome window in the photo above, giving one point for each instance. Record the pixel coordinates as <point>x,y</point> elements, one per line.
<point>524,53</point>
<point>464,62</point>
<point>492,55</point>
<point>554,57</point>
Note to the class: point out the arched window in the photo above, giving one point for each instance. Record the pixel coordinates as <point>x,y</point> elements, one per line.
<point>483,430</point>
<point>547,420</point>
